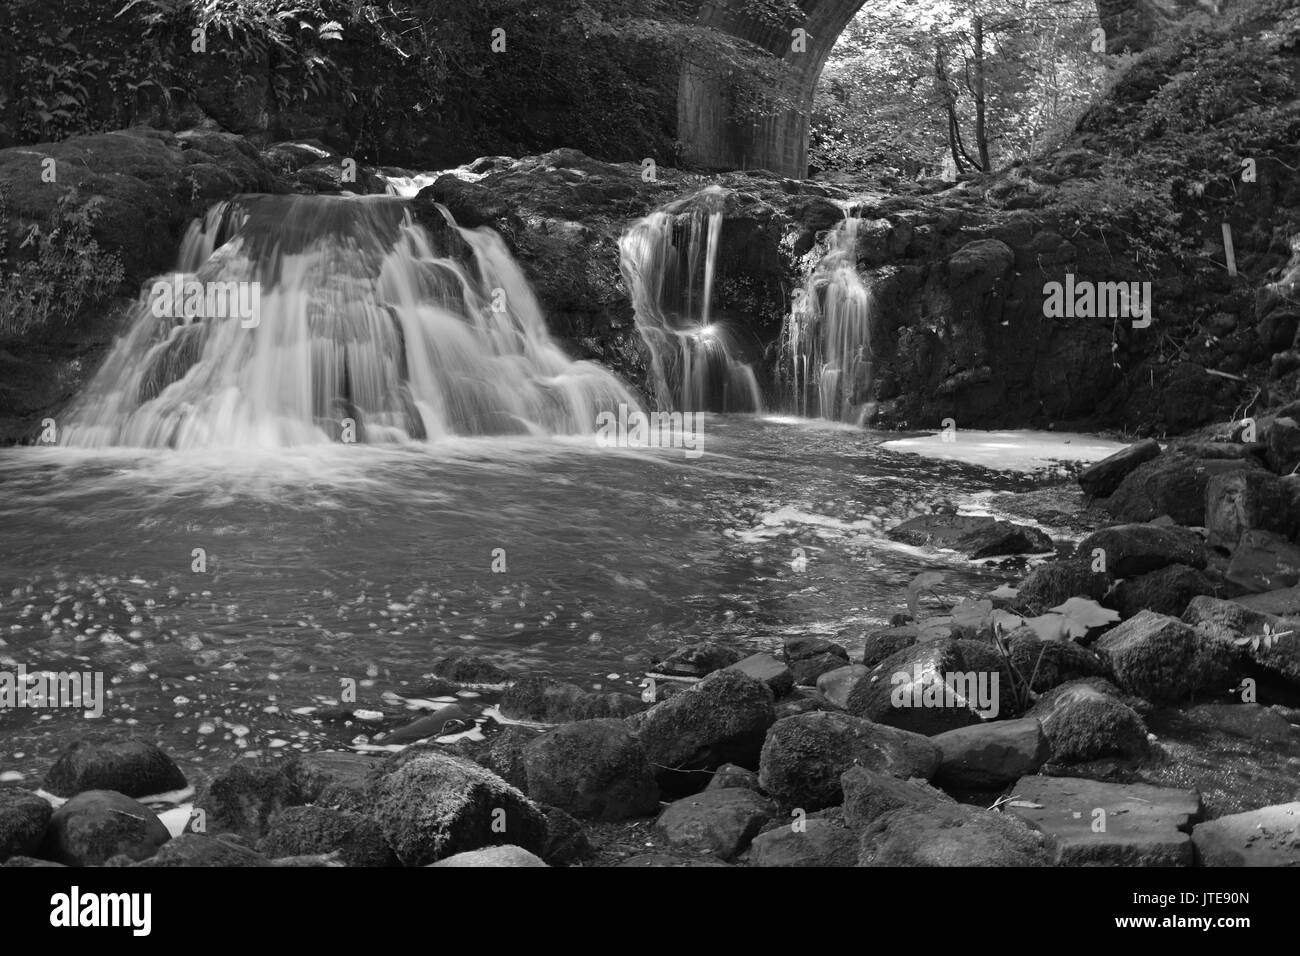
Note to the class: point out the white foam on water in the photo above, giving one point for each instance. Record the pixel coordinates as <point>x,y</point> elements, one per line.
<point>1025,451</point>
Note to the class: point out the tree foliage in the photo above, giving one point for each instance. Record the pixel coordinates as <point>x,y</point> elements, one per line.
<point>901,87</point>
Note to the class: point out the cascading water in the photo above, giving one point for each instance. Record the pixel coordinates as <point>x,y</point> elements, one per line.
<point>669,261</point>
<point>370,327</point>
<point>827,347</point>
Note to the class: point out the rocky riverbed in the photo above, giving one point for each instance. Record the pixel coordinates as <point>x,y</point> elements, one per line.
<point>1130,703</point>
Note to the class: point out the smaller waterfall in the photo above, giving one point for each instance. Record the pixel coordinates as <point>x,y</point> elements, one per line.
<point>827,340</point>
<point>669,262</point>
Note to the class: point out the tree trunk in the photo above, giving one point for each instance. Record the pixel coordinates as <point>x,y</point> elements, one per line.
<point>981,139</point>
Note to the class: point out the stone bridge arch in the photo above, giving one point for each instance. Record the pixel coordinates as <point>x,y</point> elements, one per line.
<point>705,102</point>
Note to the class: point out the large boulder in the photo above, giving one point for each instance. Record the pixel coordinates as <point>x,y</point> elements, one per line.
<point>1164,660</point>
<point>1166,591</point>
<point>436,805</point>
<point>243,798</point>
<point>1130,550</point>
<point>1083,722</point>
<point>136,768</point>
<point>814,843</point>
<point>698,660</point>
<point>836,685</point>
<point>593,769</point>
<point>23,817</point>
<point>722,719</point>
<point>1101,478</point>
<point>951,835</point>
<point>1264,561</point>
<point>1266,640</point>
<point>870,794</point>
<point>96,825</point>
<point>721,822</point>
<point>772,672</point>
<point>1172,485</point>
<point>1055,582</point>
<point>805,756</point>
<point>303,831</point>
<point>992,754</point>
<point>1047,664</point>
<point>1251,500</point>
<point>933,686</point>
<point>883,642</point>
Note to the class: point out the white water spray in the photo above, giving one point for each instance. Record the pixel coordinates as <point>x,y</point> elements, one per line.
<point>669,262</point>
<point>827,345</point>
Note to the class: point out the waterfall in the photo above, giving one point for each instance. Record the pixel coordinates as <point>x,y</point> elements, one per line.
<point>669,262</point>
<point>827,339</point>
<point>367,327</point>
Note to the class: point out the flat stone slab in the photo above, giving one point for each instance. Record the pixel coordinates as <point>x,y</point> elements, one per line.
<point>1284,602</point>
<point>1265,837</point>
<point>1143,825</point>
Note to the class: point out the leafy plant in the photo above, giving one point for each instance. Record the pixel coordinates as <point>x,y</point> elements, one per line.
<point>1268,639</point>
<point>55,270</point>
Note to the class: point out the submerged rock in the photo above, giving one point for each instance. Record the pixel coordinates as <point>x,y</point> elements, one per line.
<point>698,660</point>
<point>976,536</point>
